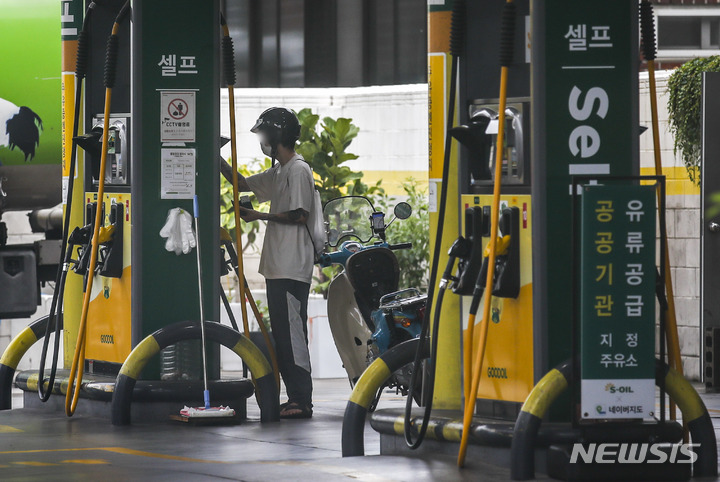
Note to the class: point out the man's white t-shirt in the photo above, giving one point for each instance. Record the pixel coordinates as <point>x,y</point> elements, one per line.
<point>287,251</point>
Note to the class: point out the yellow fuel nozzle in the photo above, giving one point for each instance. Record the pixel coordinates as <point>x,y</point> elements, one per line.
<point>501,246</point>
<point>106,234</point>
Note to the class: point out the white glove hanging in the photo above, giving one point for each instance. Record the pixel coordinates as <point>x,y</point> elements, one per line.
<point>178,231</point>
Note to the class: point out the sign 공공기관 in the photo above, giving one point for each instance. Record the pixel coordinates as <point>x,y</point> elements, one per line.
<point>617,307</point>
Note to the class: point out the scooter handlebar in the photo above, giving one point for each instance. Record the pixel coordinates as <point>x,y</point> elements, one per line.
<point>325,260</point>
<point>341,256</point>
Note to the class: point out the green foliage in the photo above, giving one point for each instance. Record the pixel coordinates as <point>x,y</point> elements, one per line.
<point>714,202</point>
<point>325,149</point>
<point>685,88</point>
<point>413,262</point>
<point>227,214</point>
<point>264,311</point>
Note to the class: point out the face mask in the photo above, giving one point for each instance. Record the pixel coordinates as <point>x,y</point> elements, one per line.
<point>266,148</point>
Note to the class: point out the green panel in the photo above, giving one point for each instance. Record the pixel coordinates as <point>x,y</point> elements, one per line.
<point>618,281</point>
<point>589,89</point>
<point>165,286</point>
<point>30,53</point>
<point>71,18</point>
<point>617,308</point>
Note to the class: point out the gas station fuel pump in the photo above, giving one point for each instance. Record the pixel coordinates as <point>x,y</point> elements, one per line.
<point>165,88</point>
<point>508,374</point>
<point>570,147</point>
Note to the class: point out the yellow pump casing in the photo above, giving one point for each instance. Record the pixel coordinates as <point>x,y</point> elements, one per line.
<point>108,328</point>
<point>508,363</point>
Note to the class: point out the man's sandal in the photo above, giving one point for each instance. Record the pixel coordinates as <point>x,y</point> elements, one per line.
<point>295,410</point>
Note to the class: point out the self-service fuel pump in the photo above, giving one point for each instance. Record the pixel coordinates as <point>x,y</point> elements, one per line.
<point>507,374</point>
<point>562,87</point>
<point>571,119</point>
<point>158,157</point>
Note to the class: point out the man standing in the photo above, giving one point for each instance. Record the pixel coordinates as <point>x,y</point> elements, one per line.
<point>287,255</point>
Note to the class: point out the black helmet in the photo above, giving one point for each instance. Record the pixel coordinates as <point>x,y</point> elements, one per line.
<point>280,125</point>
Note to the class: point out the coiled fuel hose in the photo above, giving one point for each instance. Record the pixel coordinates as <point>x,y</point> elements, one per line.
<point>507,38</point>
<point>229,68</point>
<point>55,320</point>
<point>76,371</point>
<point>457,42</point>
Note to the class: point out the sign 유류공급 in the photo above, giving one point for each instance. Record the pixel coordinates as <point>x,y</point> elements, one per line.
<point>617,316</point>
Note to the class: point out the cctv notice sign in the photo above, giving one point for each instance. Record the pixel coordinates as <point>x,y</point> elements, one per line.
<point>617,301</point>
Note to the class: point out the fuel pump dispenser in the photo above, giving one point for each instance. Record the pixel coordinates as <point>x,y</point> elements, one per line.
<point>157,159</point>
<point>557,125</point>
<point>571,128</point>
<point>507,374</point>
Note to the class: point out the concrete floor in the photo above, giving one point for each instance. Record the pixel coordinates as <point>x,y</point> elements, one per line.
<point>38,444</point>
<point>41,445</point>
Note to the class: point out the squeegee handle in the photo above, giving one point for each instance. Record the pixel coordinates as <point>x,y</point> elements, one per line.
<point>196,207</point>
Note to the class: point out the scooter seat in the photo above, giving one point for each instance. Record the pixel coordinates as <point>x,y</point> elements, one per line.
<point>373,273</point>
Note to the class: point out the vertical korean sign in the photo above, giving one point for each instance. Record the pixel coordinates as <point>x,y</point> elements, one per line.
<point>586,72</point>
<point>617,316</point>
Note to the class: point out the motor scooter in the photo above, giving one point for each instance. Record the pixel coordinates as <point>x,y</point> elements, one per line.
<point>366,312</point>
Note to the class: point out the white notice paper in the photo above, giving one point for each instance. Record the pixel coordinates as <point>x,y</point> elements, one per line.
<point>177,175</point>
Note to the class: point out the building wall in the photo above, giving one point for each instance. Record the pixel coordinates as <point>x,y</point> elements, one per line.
<point>683,223</point>
<point>392,141</point>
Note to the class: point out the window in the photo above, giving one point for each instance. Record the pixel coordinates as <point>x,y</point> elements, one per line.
<point>683,33</point>
<point>328,43</point>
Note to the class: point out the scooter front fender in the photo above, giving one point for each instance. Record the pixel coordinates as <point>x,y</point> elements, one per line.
<point>350,332</point>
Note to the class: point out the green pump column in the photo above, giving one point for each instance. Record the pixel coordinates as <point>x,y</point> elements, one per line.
<point>585,122</point>
<point>176,123</point>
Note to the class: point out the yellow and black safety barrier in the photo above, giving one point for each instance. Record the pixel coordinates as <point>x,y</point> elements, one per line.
<point>266,389</point>
<point>445,428</point>
<point>13,354</point>
<point>527,426</point>
<point>168,391</point>
<point>366,388</point>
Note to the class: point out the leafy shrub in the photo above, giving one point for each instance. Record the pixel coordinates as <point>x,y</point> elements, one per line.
<point>414,262</point>
<point>325,149</point>
<point>684,108</point>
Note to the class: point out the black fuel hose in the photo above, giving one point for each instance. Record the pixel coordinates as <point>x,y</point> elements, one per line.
<point>457,45</point>
<point>231,316</point>
<point>72,396</point>
<point>430,388</point>
<point>55,320</point>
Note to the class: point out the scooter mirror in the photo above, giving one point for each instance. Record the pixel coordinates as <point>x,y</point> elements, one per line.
<point>402,210</point>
